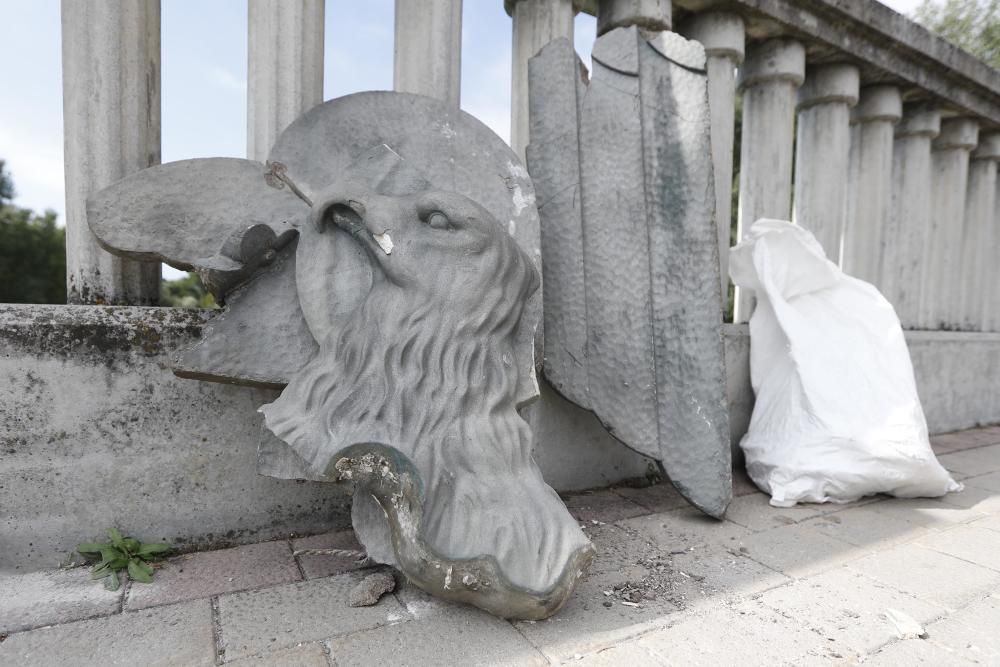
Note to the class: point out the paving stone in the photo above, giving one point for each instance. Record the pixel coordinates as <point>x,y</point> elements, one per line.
<point>848,608</point>
<point>629,653</point>
<point>865,527</point>
<point>45,598</point>
<point>931,513</point>
<point>684,529</point>
<point>441,633</point>
<point>656,498</point>
<point>990,482</point>
<point>929,575</point>
<point>990,522</point>
<point>756,513</point>
<point>303,655</point>
<point>585,625</point>
<point>603,506</point>
<point>176,635</point>
<point>973,462</point>
<point>745,633</point>
<point>799,550</point>
<point>727,572</point>
<point>971,632</point>
<point>315,566</point>
<point>975,544</point>
<point>975,498</point>
<point>911,652</point>
<point>951,442</point>
<point>962,440</point>
<point>253,622</point>
<point>209,573</point>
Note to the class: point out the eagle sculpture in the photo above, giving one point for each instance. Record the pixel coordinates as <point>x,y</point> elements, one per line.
<point>382,270</point>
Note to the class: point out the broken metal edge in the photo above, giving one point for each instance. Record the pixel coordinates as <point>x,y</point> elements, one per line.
<point>393,481</point>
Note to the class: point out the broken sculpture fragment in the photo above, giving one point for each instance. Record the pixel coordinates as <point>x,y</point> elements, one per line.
<point>633,308</point>
<point>387,279</point>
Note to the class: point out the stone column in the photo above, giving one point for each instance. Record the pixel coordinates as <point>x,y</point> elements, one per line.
<point>770,78</point>
<point>428,53</point>
<point>869,199</point>
<point>723,36</point>
<point>822,153</point>
<point>655,15</point>
<point>903,262</point>
<point>284,67</point>
<point>535,23</point>
<point>979,238</point>
<point>111,121</point>
<point>991,305</point>
<point>941,293</point>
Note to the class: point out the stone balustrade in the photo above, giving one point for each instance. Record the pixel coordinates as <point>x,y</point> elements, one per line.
<point>864,127</point>
<point>856,123</point>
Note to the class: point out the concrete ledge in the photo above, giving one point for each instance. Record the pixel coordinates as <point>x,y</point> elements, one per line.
<point>95,431</point>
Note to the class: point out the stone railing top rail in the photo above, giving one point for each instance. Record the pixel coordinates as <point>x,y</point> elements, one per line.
<point>889,47</point>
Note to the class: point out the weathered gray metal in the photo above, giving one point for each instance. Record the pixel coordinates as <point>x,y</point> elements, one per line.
<point>622,167</point>
<point>223,218</point>
<point>402,320</point>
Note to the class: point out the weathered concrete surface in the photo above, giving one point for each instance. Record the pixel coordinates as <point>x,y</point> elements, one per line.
<point>96,431</point>
<point>79,386</point>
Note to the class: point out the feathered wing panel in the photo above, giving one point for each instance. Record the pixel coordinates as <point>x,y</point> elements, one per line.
<point>633,310</point>
<point>223,218</point>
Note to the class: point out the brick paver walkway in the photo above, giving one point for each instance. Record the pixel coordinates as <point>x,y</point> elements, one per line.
<point>802,586</point>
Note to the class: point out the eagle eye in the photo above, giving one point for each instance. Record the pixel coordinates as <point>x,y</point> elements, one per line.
<point>437,220</point>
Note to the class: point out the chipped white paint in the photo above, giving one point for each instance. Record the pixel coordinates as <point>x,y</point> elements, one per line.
<point>512,228</point>
<point>384,241</point>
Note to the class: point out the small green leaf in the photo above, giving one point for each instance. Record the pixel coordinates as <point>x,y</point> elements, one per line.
<point>112,583</point>
<point>116,538</point>
<point>100,571</point>
<point>132,545</point>
<point>138,573</point>
<point>149,550</point>
<point>89,548</point>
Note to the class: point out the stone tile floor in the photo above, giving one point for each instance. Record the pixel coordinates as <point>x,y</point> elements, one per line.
<point>802,586</point>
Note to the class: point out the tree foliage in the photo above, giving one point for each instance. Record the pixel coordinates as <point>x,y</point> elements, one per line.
<point>971,25</point>
<point>32,251</point>
<point>186,292</point>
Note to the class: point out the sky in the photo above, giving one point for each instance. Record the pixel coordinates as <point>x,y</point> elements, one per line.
<point>204,77</point>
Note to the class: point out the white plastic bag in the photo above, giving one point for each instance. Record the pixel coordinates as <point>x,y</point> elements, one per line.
<point>837,415</point>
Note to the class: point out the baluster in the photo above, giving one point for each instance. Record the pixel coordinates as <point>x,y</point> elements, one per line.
<point>978,238</point>
<point>769,78</point>
<point>904,265</point>
<point>428,53</point>
<point>870,183</point>
<point>534,24</point>
<point>822,152</point>
<point>111,121</point>
<point>284,67</point>
<point>723,36</point>
<point>940,296</point>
